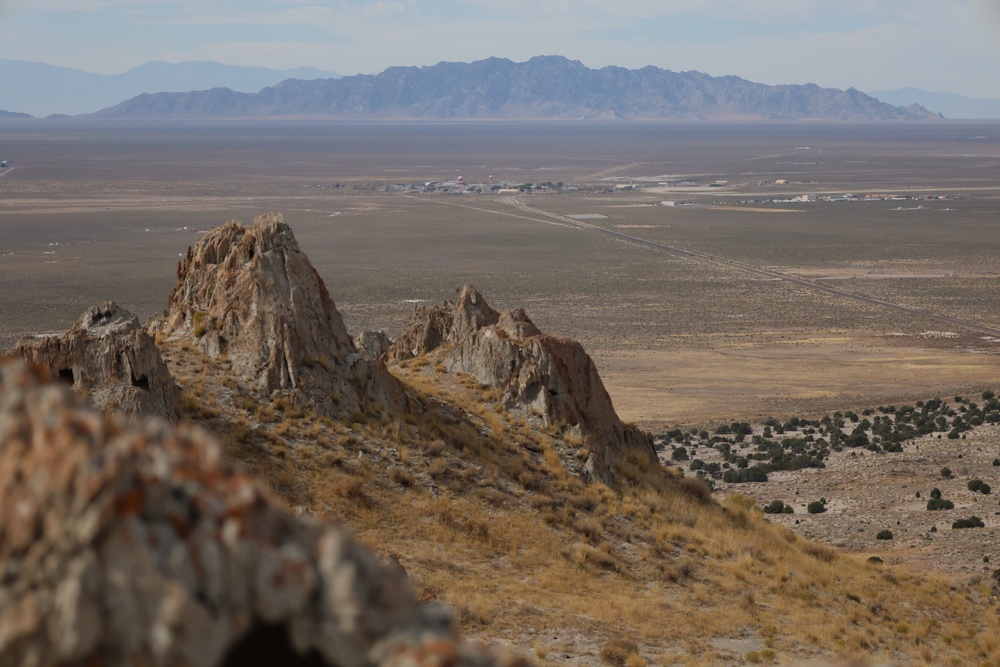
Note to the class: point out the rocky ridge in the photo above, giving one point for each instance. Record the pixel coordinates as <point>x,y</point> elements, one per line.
<point>107,356</point>
<point>134,542</point>
<point>542,87</point>
<point>250,294</point>
<point>537,373</point>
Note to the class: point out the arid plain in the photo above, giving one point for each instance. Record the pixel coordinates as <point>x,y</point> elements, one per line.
<point>798,270</point>
<point>92,210</point>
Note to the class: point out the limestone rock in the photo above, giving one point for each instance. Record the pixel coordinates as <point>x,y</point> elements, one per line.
<point>550,376</point>
<point>109,357</point>
<point>252,294</point>
<point>127,542</point>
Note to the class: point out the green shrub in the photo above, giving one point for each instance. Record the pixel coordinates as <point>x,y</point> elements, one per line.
<point>971,522</point>
<point>936,493</point>
<point>816,507</point>
<point>776,507</point>
<point>935,504</point>
<point>977,485</point>
<point>884,535</point>
<point>946,472</point>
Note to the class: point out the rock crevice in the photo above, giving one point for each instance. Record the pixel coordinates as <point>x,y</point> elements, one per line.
<point>108,356</point>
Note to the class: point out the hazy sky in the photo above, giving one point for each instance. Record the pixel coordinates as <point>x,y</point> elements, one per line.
<point>938,45</point>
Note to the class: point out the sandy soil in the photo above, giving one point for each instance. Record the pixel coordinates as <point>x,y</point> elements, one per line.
<point>785,375</point>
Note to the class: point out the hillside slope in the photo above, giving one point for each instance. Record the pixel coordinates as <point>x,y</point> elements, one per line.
<point>486,504</point>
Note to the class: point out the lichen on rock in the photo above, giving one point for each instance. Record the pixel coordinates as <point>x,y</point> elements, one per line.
<point>133,542</point>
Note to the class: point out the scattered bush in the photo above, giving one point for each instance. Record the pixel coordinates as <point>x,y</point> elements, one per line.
<point>778,507</point>
<point>935,504</point>
<point>946,472</point>
<point>884,535</point>
<point>617,651</point>
<point>935,493</point>
<point>874,560</point>
<point>816,507</point>
<point>977,485</point>
<point>971,522</point>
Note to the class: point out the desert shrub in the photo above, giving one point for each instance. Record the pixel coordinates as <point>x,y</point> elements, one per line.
<point>696,488</point>
<point>778,507</point>
<point>874,560</point>
<point>401,476</point>
<point>816,507</point>
<point>679,454</point>
<point>438,468</point>
<point>996,462</point>
<point>884,535</point>
<point>617,651</point>
<point>971,522</point>
<point>946,472</point>
<point>753,474</point>
<point>977,485</point>
<point>939,503</point>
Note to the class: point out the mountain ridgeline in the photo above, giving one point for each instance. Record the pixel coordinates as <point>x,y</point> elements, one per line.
<point>544,87</point>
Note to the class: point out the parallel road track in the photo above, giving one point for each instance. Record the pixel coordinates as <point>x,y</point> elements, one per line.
<point>554,218</point>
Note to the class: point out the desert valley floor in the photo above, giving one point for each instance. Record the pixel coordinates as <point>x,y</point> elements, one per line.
<point>715,271</point>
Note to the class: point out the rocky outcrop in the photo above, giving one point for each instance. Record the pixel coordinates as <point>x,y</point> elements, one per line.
<point>127,542</point>
<point>250,293</point>
<point>549,376</point>
<point>108,357</point>
<point>373,344</point>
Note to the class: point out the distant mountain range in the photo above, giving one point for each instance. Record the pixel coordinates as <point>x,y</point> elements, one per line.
<point>41,90</point>
<point>949,104</point>
<point>543,87</point>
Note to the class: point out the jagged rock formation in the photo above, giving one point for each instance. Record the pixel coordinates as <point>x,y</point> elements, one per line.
<point>109,357</point>
<point>373,344</point>
<point>542,87</point>
<point>126,542</point>
<point>250,293</point>
<point>553,377</point>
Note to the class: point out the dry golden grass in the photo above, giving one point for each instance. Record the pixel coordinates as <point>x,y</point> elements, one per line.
<point>482,511</point>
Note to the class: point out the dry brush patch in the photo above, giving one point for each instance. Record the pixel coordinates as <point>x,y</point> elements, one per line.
<point>478,506</point>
